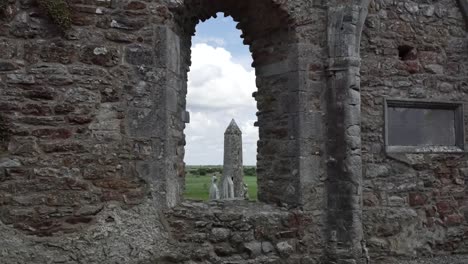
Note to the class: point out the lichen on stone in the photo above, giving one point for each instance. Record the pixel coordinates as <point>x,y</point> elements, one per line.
<point>59,12</point>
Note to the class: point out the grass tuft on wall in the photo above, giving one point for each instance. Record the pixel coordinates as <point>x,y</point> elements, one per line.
<point>59,12</point>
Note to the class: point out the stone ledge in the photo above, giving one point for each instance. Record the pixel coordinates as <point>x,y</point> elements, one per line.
<point>458,259</point>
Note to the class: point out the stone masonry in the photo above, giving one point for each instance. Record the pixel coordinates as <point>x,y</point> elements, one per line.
<point>233,164</point>
<point>92,137</point>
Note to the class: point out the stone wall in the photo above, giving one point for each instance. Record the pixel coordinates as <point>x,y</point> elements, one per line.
<point>93,117</point>
<point>64,101</point>
<point>243,232</point>
<point>92,142</point>
<point>414,203</point>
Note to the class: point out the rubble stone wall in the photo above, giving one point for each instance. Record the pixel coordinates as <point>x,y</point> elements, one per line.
<point>414,204</point>
<point>243,232</point>
<point>92,140</point>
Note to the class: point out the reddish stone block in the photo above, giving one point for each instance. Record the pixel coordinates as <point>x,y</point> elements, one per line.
<point>79,220</point>
<point>431,211</point>
<point>297,220</point>
<point>63,147</point>
<point>52,133</point>
<point>80,19</point>
<point>36,109</point>
<point>443,170</point>
<point>454,220</point>
<point>9,106</point>
<point>64,109</point>
<point>163,12</point>
<point>443,207</point>
<point>445,180</point>
<point>115,184</point>
<point>413,67</point>
<point>370,199</point>
<point>41,120</point>
<point>430,222</point>
<point>80,119</point>
<point>135,5</point>
<point>417,199</point>
<point>315,67</point>
<point>133,197</point>
<point>88,9</point>
<point>111,196</point>
<point>57,51</point>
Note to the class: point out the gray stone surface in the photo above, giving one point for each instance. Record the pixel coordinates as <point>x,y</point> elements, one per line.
<point>433,260</point>
<point>117,236</point>
<point>92,142</point>
<point>411,200</point>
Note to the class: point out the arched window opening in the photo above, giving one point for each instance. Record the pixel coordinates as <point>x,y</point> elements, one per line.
<point>221,82</point>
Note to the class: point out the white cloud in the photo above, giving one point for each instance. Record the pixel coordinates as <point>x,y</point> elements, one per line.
<point>245,61</point>
<point>215,81</point>
<point>219,89</point>
<point>220,42</point>
<point>250,133</point>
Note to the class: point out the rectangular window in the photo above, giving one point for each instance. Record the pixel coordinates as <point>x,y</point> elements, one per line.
<point>422,126</point>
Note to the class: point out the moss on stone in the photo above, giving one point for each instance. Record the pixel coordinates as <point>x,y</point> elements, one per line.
<point>59,12</point>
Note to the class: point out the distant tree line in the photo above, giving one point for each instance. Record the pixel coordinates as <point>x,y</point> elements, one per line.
<point>210,170</point>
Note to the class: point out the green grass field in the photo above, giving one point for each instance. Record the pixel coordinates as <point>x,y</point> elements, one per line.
<point>197,187</point>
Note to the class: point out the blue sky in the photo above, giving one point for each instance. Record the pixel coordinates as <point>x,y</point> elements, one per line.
<point>222,32</point>
<point>221,82</point>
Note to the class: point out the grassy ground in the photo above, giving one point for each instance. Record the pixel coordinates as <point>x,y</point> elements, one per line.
<point>197,187</point>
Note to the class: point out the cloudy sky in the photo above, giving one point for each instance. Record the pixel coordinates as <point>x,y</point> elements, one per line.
<point>220,87</point>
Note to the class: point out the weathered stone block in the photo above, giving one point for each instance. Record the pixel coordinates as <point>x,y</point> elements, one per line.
<point>56,51</point>
<point>254,249</point>
<point>144,122</point>
<point>224,250</point>
<point>7,66</point>
<point>135,5</point>
<point>20,79</point>
<point>52,133</point>
<point>220,234</point>
<point>167,47</point>
<point>376,170</point>
<point>9,163</point>
<point>284,249</point>
<point>100,55</point>
<point>139,55</point>
<point>120,37</point>
<point>36,109</point>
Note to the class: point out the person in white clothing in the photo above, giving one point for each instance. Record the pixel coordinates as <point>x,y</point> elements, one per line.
<point>214,191</point>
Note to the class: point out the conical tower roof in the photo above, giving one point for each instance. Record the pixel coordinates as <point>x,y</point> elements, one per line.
<point>233,128</point>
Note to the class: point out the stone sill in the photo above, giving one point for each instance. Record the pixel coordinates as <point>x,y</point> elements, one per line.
<point>424,150</point>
